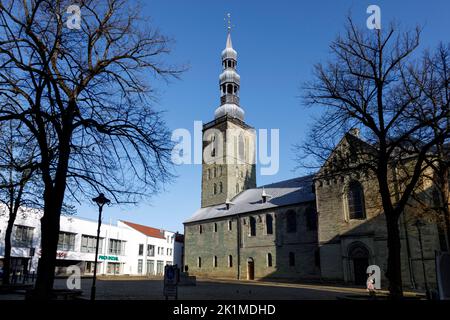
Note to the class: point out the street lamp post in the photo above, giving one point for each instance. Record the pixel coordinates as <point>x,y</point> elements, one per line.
<point>419,224</point>
<point>101,200</point>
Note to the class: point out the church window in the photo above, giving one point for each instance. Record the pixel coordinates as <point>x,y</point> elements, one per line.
<point>269,224</point>
<point>230,225</point>
<point>237,187</point>
<point>213,145</point>
<point>291,221</point>
<point>230,261</point>
<point>230,89</point>
<point>200,229</point>
<point>269,259</point>
<point>220,171</point>
<point>355,201</point>
<point>252,227</point>
<point>291,259</point>
<point>220,187</point>
<point>215,172</point>
<point>199,262</point>
<point>215,188</point>
<point>215,262</point>
<point>215,227</point>
<point>311,218</point>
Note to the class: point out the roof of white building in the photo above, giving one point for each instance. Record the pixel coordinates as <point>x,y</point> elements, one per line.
<point>283,193</point>
<point>148,231</point>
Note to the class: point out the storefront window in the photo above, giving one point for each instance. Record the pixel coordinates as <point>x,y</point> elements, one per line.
<point>160,267</point>
<point>113,268</point>
<point>89,267</point>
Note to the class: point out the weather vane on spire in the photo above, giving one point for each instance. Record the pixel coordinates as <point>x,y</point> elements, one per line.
<point>228,20</point>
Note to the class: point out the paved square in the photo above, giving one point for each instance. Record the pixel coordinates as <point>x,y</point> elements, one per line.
<point>212,290</point>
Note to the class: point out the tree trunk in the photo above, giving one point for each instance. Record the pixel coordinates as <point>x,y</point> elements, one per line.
<point>49,246</point>
<point>7,257</point>
<point>394,270</point>
<point>50,223</point>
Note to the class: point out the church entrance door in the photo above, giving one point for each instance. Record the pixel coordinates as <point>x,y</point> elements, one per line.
<point>250,269</point>
<point>359,255</point>
<point>360,267</point>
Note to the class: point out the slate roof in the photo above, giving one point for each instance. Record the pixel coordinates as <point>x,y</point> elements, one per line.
<point>283,193</point>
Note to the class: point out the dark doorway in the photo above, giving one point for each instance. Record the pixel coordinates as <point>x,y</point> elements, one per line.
<point>359,255</point>
<point>360,267</point>
<point>250,269</point>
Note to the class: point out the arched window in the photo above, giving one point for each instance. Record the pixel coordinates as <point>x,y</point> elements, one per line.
<point>213,149</point>
<point>311,219</point>
<point>230,225</point>
<point>252,226</point>
<point>215,172</point>
<point>215,262</point>
<point>230,89</point>
<point>200,229</point>
<point>291,259</point>
<point>291,221</point>
<point>269,259</point>
<point>199,262</point>
<point>355,201</point>
<point>215,188</point>
<point>269,224</point>
<point>215,227</point>
<point>220,187</point>
<point>230,261</point>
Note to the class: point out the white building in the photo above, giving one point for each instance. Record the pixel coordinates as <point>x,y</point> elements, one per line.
<point>124,249</point>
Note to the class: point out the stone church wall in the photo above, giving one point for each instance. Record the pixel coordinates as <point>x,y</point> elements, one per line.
<point>303,243</point>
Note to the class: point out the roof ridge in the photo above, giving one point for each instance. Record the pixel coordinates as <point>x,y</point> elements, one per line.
<point>143,225</point>
<point>282,181</point>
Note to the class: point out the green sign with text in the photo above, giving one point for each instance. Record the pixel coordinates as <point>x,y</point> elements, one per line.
<point>109,258</point>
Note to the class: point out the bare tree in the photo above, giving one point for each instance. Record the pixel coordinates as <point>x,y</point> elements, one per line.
<point>17,185</point>
<point>432,82</point>
<point>367,85</point>
<point>84,94</point>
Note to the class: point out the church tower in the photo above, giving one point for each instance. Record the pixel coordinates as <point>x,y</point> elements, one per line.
<point>228,166</point>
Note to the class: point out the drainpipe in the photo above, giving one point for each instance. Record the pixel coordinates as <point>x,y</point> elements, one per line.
<point>405,227</point>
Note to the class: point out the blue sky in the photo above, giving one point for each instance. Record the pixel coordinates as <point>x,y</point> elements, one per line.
<point>277,42</point>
